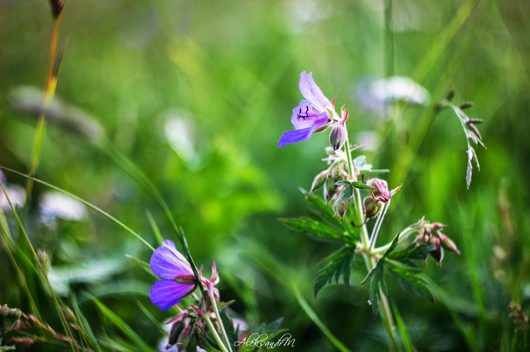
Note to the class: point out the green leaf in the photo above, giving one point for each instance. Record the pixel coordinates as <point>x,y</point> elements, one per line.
<point>376,285</point>
<point>93,271</point>
<point>345,194</point>
<point>411,255</point>
<point>335,266</point>
<point>361,185</point>
<point>409,275</point>
<point>318,229</point>
<point>325,212</point>
<point>376,276</point>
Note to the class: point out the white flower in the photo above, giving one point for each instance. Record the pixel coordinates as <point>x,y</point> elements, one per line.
<point>55,205</point>
<point>180,134</point>
<point>16,194</point>
<point>375,95</point>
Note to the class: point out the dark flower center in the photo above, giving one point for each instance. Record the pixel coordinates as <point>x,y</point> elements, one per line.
<point>186,279</point>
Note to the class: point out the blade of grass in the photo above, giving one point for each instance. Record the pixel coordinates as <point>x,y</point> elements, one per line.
<point>284,277</point>
<point>120,324</point>
<point>83,323</point>
<point>8,245</point>
<point>419,132</point>
<point>315,319</point>
<point>403,333</point>
<point>151,318</point>
<point>154,226</point>
<point>43,278</point>
<point>87,203</point>
<point>49,91</point>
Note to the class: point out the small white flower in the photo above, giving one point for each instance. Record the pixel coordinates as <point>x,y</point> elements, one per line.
<point>55,205</point>
<point>16,194</point>
<point>180,134</point>
<point>375,95</point>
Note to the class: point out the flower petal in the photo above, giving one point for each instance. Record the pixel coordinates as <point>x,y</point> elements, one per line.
<point>312,92</point>
<point>295,136</point>
<point>168,263</point>
<point>304,115</point>
<point>166,293</point>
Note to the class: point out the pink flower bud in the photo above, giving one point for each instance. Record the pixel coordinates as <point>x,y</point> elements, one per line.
<point>338,136</point>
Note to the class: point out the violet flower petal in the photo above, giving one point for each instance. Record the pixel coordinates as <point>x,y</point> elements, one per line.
<point>167,293</point>
<point>168,263</point>
<point>312,92</point>
<point>305,114</point>
<point>295,136</point>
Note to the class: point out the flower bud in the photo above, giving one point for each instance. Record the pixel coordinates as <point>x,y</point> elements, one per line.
<point>319,180</point>
<point>341,209</point>
<point>448,244</point>
<point>372,207</point>
<point>57,7</point>
<point>338,136</point>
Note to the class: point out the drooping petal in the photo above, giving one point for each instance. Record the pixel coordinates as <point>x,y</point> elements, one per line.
<point>166,293</point>
<point>168,263</point>
<point>305,114</point>
<point>295,136</point>
<point>312,92</point>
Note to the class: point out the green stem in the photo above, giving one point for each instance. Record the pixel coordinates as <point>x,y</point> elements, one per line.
<point>377,226</point>
<point>215,334</point>
<point>389,320</point>
<point>386,313</point>
<point>219,320</point>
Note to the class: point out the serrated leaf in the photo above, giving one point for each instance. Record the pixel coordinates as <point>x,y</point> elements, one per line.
<point>376,285</point>
<point>322,209</point>
<point>316,228</point>
<point>409,276</point>
<point>335,266</point>
<point>412,252</point>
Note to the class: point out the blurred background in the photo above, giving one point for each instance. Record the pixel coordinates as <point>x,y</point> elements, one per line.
<point>196,95</point>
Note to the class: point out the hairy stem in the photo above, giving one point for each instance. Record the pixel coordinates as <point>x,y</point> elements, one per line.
<point>219,320</point>
<point>377,226</point>
<point>369,261</point>
<point>215,334</point>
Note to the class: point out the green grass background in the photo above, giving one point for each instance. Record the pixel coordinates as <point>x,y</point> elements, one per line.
<point>232,68</point>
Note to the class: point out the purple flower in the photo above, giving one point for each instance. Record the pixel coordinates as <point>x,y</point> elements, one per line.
<point>380,190</point>
<point>178,279</point>
<point>310,114</point>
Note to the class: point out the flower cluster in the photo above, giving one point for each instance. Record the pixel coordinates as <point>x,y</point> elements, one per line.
<point>431,234</point>
<point>345,218</point>
<point>189,328</point>
<point>315,113</point>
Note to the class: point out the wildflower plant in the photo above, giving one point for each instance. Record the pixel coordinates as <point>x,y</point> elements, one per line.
<point>353,205</point>
<point>200,324</point>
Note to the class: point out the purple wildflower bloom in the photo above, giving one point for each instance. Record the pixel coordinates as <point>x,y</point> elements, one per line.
<point>178,279</point>
<point>310,114</point>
